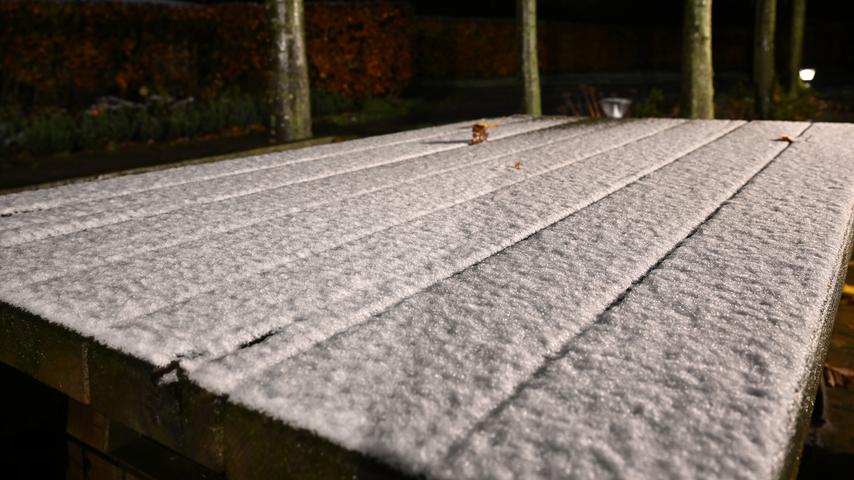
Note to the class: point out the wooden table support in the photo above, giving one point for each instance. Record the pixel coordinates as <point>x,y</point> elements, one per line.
<point>121,409</point>
<point>802,423</point>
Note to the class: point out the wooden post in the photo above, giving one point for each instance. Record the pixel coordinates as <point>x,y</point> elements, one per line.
<point>290,117</point>
<point>796,45</point>
<point>763,55</point>
<point>697,74</point>
<point>526,13</point>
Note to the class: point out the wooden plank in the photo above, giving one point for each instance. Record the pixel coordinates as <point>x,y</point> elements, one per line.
<point>836,432</point>
<point>47,352</point>
<point>180,163</point>
<point>101,189</point>
<point>124,450</point>
<point>801,422</point>
<point>500,318</point>
<point>170,411</point>
<point>41,260</point>
<point>225,321</point>
<point>229,183</point>
<point>145,458</point>
<point>98,467</point>
<point>76,467</point>
<point>131,303</point>
<point>708,366</point>
<point>259,447</point>
<point>179,415</point>
<point>377,270</point>
<point>88,426</point>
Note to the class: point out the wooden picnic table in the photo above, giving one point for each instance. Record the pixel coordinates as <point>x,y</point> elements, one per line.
<point>643,298</point>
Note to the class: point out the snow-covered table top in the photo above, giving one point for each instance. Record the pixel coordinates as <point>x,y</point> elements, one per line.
<point>637,299</point>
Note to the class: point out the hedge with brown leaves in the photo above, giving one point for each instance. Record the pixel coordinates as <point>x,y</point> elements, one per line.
<point>68,53</point>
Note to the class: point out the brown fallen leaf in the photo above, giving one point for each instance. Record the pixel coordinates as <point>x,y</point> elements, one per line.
<point>785,138</point>
<point>479,133</point>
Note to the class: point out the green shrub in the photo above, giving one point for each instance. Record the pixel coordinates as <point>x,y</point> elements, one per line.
<point>802,106</point>
<point>147,126</point>
<point>48,133</point>
<point>98,130</point>
<point>740,104</point>
<point>651,106</point>
<point>12,123</point>
<point>383,107</point>
<point>214,117</point>
<point>736,104</point>
<point>242,110</point>
<point>114,120</point>
<point>182,122</point>
<point>326,103</point>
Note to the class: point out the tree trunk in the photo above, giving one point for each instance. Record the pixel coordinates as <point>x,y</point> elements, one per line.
<point>763,55</point>
<point>796,45</point>
<point>526,13</point>
<point>697,74</point>
<point>290,117</point>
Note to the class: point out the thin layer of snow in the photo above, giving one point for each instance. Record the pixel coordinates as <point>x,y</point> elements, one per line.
<point>100,189</point>
<point>189,292</point>
<point>365,277</point>
<point>463,313</point>
<point>433,366</point>
<point>699,371</point>
<point>85,215</point>
<point>54,256</point>
<point>393,244</point>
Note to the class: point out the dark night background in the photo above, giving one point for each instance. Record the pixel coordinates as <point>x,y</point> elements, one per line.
<point>435,61</point>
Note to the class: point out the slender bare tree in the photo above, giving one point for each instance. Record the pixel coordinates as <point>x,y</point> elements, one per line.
<point>526,13</point>
<point>290,117</point>
<point>796,45</point>
<point>697,74</point>
<point>763,55</point>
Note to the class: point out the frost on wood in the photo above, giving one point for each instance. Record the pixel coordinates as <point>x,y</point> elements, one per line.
<point>49,257</point>
<point>474,311</point>
<point>698,372</point>
<point>78,216</point>
<point>168,285</point>
<point>500,318</point>
<point>80,192</point>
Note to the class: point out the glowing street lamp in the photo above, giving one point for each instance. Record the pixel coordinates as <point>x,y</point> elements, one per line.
<point>807,74</point>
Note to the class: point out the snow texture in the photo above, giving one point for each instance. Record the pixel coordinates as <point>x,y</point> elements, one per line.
<point>366,276</point>
<point>69,218</point>
<point>699,371</point>
<point>402,243</point>
<point>50,257</point>
<point>633,299</point>
<point>501,318</point>
<point>156,302</point>
<point>43,199</point>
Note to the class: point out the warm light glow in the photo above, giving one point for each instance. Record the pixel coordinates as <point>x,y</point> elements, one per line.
<point>807,74</point>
